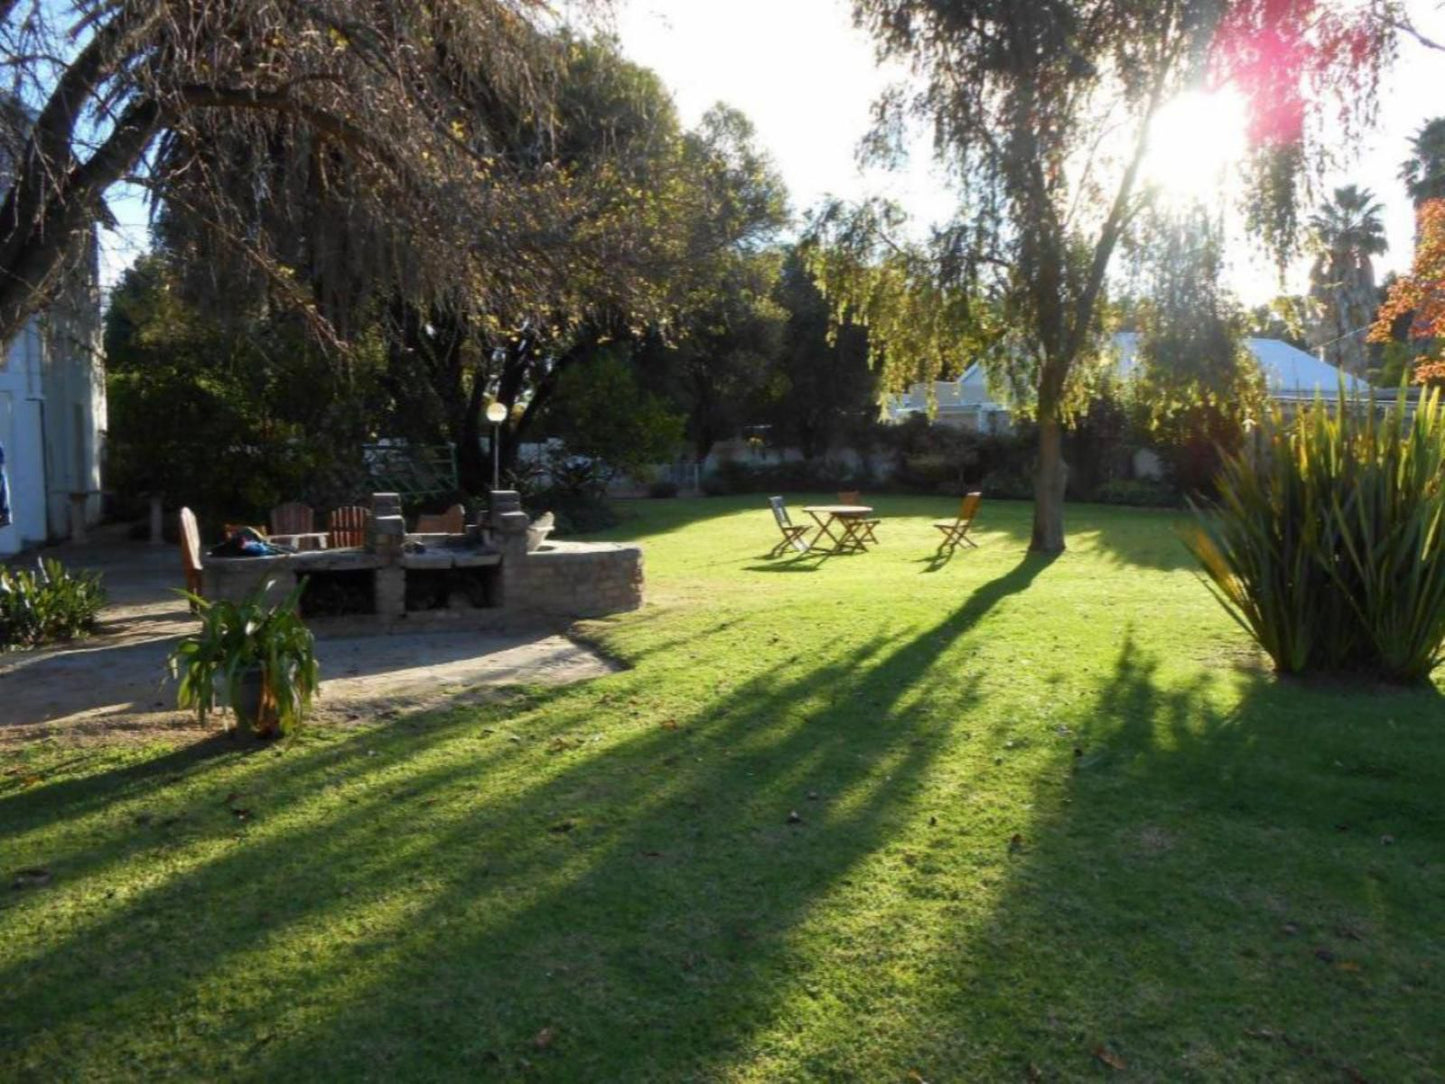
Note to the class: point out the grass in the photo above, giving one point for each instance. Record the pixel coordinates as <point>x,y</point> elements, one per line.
<point>1055,822</point>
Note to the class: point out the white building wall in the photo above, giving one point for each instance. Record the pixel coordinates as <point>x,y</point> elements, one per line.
<point>53,416</point>
<point>22,428</point>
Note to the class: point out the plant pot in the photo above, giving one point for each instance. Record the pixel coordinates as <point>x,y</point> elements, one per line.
<point>254,706</point>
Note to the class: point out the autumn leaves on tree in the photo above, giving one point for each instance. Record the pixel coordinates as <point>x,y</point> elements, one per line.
<point>1421,294</point>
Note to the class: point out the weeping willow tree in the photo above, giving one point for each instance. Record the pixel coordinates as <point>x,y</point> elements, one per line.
<point>410,113</point>
<point>1041,112</point>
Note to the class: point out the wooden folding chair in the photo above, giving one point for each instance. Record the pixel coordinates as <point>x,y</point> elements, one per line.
<point>347,527</point>
<point>191,552</point>
<point>955,531</point>
<point>452,521</point>
<point>864,528</point>
<point>792,533</point>
<point>293,517</point>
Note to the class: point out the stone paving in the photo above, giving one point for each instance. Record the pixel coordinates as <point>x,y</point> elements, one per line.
<point>113,685</point>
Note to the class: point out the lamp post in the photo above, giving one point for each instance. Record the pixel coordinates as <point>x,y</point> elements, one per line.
<point>497,414</point>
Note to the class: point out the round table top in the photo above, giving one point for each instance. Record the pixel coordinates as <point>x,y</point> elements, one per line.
<point>839,509</point>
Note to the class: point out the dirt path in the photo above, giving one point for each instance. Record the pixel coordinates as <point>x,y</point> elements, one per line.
<point>113,686</point>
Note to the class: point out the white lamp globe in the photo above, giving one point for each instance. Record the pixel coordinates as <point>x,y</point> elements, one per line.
<point>497,413</point>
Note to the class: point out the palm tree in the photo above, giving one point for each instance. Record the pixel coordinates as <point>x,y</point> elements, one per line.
<point>1344,234</point>
<point>1424,171</point>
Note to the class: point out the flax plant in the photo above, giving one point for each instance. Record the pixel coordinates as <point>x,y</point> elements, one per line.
<point>1326,542</point>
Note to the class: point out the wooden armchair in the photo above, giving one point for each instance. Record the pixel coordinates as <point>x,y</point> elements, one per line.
<point>191,553</point>
<point>452,521</point>
<point>792,533</point>
<point>346,527</point>
<point>955,531</point>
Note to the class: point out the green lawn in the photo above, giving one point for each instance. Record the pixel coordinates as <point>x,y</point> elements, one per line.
<point>1054,815</point>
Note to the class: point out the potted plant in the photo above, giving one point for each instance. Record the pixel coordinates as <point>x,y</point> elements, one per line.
<point>259,658</point>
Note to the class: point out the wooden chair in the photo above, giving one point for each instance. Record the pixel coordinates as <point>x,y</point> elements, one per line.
<point>347,527</point>
<point>191,552</point>
<point>452,521</point>
<point>792,533</point>
<point>955,531</point>
<point>865,527</point>
<point>293,517</point>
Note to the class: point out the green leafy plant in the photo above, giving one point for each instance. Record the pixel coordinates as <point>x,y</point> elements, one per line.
<point>48,604</point>
<point>259,657</point>
<point>1326,544</point>
<point>1138,492</point>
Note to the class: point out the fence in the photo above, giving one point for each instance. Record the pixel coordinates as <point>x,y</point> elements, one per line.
<point>414,471</point>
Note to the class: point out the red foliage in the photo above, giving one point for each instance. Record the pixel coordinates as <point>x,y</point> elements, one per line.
<point>1282,53</point>
<point>1421,293</point>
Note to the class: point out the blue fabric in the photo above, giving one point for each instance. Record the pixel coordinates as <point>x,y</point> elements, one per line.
<point>4,492</point>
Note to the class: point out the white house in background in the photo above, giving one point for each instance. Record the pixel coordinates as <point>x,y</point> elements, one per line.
<point>52,417</point>
<point>1291,375</point>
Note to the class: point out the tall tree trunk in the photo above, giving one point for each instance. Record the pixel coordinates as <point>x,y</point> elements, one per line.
<point>474,467</point>
<point>1050,476</point>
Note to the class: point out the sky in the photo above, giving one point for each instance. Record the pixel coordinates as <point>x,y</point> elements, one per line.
<point>807,79</point>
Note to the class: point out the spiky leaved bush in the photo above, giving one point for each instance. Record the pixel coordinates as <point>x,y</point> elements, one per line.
<point>1326,543</point>
<point>48,604</point>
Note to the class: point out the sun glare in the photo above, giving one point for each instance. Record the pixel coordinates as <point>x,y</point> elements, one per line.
<point>1194,142</point>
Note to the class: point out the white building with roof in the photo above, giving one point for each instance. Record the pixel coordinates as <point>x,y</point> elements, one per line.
<point>53,417</point>
<point>1291,375</point>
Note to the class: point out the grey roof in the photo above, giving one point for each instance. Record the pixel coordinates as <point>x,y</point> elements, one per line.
<point>1289,372</point>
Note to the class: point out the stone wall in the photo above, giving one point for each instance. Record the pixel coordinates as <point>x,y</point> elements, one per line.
<point>557,583</point>
<point>579,579</point>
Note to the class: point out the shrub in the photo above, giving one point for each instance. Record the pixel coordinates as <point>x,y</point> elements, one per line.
<point>662,490</point>
<point>574,513</point>
<point>1327,545</point>
<point>789,477</point>
<point>256,655</point>
<point>1137,492</point>
<point>1008,486</point>
<point>48,604</point>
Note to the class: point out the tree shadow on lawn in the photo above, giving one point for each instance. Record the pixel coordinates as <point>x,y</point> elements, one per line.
<point>627,913</point>
<point>1219,882</point>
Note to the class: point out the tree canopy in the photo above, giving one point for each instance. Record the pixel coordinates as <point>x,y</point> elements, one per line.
<point>1345,233</point>
<point>411,121</point>
<point>1420,295</point>
<point>1042,113</point>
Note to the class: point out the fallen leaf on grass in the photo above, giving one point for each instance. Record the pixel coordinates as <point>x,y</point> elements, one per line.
<point>668,724</point>
<point>1347,965</point>
<point>544,1038</point>
<point>916,1077</point>
<point>35,877</point>
<point>795,817</point>
<point>1109,1058</point>
<point>240,814</point>
<point>1324,955</point>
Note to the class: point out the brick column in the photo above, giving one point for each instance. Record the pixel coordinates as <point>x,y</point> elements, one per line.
<point>508,525</point>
